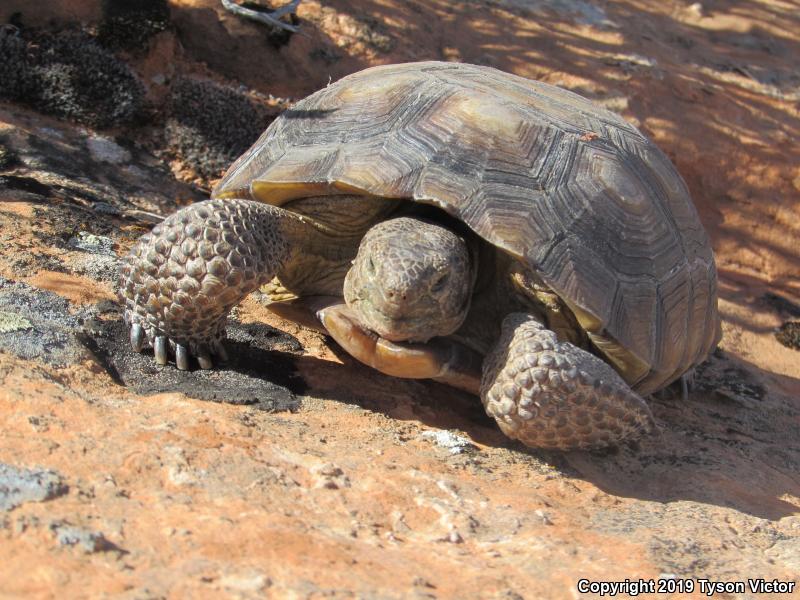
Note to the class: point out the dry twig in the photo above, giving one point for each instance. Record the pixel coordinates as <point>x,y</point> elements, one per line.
<point>271,18</point>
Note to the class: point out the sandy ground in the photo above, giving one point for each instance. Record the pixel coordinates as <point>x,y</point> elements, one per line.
<point>319,478</point>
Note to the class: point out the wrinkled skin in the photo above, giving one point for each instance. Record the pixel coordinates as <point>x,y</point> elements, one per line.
<point>411,280</point>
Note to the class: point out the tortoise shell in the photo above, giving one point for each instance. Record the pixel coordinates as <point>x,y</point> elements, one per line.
<point>571,189</point>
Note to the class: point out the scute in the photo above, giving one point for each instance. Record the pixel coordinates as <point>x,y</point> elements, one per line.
<point>591,204</point>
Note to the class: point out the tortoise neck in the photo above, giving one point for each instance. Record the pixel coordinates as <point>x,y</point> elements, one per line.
<point>323,233</point>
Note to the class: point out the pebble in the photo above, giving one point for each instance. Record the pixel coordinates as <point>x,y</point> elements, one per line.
<point>96,244</point>
<point>696,9</point>
<point>90,541</point>
<point>105,208</point>
<point>245,582</point>
<point>330,476</point>
<point>454,443</point>
<point>455,538</point>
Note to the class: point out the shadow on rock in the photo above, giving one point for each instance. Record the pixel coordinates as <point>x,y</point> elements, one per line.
<point>255,375</point>
<point>733,443</point>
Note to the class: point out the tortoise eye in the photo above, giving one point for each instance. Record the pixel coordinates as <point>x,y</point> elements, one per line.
<point>370,265</point>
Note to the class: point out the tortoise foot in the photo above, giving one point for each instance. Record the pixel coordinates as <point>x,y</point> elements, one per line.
<point>180,282</point>
<point>551,394</point>
<point>206,353</point>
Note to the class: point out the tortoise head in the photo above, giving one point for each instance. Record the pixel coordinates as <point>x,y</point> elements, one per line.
<point>410,281</point>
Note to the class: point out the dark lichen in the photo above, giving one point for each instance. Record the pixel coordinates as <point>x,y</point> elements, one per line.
<point>129,24</point>
<point>69,75</point>
<point>209,125</point>
<point>16,79</point>
<point>8,158</point>
<point>789,334</point>
<point>373,33</point>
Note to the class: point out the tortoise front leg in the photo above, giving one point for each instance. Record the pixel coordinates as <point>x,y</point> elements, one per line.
<point>551,394</point>
<point>180,281</point>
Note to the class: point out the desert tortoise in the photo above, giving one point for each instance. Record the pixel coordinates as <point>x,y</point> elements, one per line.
<point>455,222</point>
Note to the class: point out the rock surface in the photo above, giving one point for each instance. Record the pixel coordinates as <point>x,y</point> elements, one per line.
<point>307,475</point>
<point>18,486</point>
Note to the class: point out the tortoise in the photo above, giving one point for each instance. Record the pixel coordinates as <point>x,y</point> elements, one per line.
<point>454,222</point>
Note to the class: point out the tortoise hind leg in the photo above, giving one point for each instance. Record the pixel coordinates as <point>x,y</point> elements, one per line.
<point>551,394</point>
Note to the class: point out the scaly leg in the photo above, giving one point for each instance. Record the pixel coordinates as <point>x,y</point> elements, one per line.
<point>180,281</point>
<point>551,394</point>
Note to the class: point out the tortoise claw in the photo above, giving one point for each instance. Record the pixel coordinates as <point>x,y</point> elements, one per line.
<point>160,350</point>
<point>137,337</point>
<point>182,357</point>
<point>207,353</point>
<point>687,384</point>
<point>204,360</point>
<point>222,354</point>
